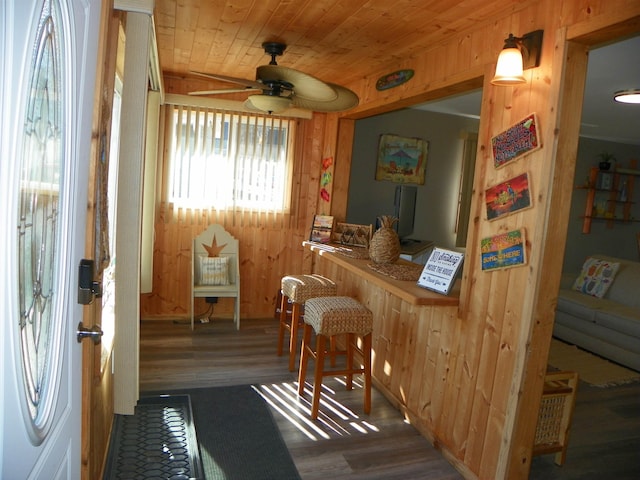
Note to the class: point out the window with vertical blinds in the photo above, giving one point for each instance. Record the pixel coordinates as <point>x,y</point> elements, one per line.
<point>227,160</point>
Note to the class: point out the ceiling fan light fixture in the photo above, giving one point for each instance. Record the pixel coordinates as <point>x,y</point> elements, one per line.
<point>284,88</point>
<point>269,103</point>
<point>303,85</point>
<point>627,96</point>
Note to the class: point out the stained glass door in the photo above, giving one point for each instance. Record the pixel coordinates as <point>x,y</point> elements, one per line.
<point>46,97</point>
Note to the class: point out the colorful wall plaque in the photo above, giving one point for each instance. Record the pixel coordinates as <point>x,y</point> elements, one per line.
<point>518,140</point>
<point>394,79</point>
<point>508,197</point>
<point>326,184</point>
<point>503,251</point>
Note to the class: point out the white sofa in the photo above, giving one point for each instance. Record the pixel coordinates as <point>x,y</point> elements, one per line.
<point>608,326</point>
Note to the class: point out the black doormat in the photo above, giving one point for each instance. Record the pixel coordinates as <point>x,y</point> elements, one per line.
<point>157,442</point>
<point>237,435</point>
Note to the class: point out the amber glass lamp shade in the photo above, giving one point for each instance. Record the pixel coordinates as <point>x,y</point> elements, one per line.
<point>509,69</point>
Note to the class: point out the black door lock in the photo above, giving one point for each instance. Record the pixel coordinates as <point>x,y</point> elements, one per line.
<point>88,289</point>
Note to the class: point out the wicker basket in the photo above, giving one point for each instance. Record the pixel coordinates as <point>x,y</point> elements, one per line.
<point>385,245</point>
<point>554,417</point>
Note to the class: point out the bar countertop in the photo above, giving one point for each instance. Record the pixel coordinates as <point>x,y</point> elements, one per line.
<point>404,289</point>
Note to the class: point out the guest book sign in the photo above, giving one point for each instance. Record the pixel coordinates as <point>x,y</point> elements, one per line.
<point>440,270</point>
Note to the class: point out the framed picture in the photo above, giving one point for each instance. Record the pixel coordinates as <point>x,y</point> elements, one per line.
<point>508,197</point>
<point>605,181</point>
<point>401,159</point>
<point>503,250</point>
<point>321,228</point>
<point>520,139</point>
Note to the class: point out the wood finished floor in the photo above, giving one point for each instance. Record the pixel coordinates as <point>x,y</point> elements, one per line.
<point>605,437</point>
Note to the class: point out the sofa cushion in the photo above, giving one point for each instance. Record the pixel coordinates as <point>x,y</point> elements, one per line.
<point>578,304</point>
<point>596,276</point>
<point>620,318</point>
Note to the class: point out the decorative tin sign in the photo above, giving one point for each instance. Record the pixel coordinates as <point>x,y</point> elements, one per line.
<point>394,79</point>
<point>520,139</point>
<point>508,197</point>
<point>503,250</point>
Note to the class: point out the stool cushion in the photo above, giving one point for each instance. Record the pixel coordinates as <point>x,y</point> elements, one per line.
<point>300,288</point>
<point>334,315</point>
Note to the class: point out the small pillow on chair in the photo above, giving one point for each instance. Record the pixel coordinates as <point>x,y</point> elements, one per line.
<point>596,277</point>
<point>214,270</point>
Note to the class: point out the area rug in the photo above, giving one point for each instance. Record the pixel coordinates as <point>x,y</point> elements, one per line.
<point>591,369</point>
<point>158,441</point>
<point>238,436</point>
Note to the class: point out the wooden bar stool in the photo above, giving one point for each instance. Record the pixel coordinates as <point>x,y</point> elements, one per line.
<point>297,289</point>
<point>330,316</point>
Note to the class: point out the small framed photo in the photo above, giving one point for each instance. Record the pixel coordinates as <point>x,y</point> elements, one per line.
<point>321,229</point>
<point>605,180</point>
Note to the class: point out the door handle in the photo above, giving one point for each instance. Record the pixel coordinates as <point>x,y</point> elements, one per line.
<point>94,333</point>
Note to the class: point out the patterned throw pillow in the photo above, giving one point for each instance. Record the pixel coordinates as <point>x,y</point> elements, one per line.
<point>596,277</point>
<point>214,270</point>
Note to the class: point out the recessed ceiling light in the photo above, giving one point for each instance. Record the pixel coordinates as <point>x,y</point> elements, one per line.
<point>627,96</point>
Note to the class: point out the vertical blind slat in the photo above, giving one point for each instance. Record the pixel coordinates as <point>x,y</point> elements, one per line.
<point>231,163</point>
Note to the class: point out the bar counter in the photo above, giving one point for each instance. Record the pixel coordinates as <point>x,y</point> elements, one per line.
<point>406,290</point>
<point>413,331</point>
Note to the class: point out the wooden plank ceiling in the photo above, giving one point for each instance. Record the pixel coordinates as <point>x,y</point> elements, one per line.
<point>338,41</point>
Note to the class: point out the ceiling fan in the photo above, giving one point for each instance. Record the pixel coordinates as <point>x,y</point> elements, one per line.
<point>282,88</point>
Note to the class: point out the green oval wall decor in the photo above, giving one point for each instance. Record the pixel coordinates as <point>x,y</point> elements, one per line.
<point>394,79</point>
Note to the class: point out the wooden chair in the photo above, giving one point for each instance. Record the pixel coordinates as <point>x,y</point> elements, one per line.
<point>219,275</point>
<point>554,417</point>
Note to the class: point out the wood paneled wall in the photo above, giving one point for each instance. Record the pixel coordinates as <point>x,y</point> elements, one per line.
<point>476,391</point>
<point>270,245</point>
<point>412,360</point>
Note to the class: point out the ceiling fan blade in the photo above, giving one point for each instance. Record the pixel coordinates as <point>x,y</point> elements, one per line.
<point>225,78</point>
<point>346,99</point>
<point>304,85</point>
<point>224,90</point>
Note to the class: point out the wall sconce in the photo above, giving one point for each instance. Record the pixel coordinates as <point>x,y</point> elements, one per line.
<point>627,96</point>
<point>518,54</point>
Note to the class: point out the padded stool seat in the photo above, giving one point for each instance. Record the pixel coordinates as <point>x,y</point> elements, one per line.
<point>297,289</point>
<point>328,317</point>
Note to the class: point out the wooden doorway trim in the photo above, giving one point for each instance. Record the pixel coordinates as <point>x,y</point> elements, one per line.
<point>97,383</point>
<point>571,60</point>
